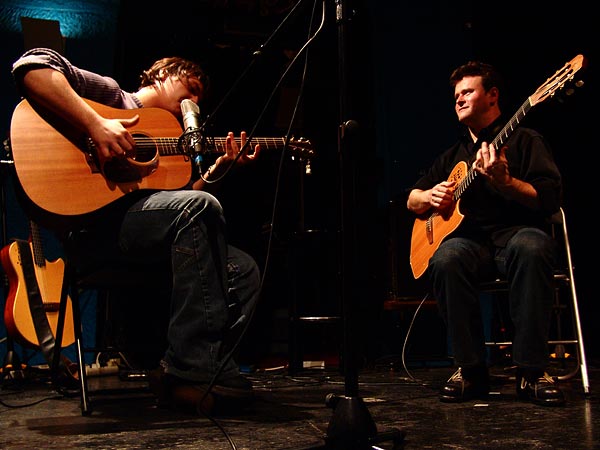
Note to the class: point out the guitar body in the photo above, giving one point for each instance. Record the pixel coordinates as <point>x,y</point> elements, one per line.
<point>58,173</point>
<point>429,232</point>
<point>17,315</point>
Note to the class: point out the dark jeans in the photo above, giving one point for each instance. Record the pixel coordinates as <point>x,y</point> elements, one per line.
<point>214,284</point>
<point>455,272</point>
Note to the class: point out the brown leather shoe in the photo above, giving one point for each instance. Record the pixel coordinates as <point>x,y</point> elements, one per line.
<point>189,396</point>
<point>175,393</point>
<point>192,398</point>
<point>539,388</point>
<point>238,388</point>
<point>466,384</point>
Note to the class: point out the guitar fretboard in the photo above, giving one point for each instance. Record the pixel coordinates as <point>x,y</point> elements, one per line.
<point>147,147</point>
<point>498,142</point>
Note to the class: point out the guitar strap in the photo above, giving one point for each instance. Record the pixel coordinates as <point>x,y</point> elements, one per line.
<point>43,331</point>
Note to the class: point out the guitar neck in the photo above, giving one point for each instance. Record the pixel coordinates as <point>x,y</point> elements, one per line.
<point>36,243</point>
<point>213,145</point>
<point>300,148</point>
<point>498,142</point>
<point>512,124</point>
<point>169,146</point>
<point>217,145</point>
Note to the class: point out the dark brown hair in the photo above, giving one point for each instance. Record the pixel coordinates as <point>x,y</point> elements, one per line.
<point>490,77</point>
<point>175,66</point>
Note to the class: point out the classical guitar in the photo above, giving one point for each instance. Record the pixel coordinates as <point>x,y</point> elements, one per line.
<point>58,169</point>
<point>20,323</point>
<point>429,231</point>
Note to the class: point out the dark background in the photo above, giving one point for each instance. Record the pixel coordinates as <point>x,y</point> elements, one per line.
<point>386,69</point>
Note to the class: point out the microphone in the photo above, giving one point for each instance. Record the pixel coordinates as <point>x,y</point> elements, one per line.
<point>191,115</point>
<point>192,134</point>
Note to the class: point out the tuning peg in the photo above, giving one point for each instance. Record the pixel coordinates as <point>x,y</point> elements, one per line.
<point>571,91</point>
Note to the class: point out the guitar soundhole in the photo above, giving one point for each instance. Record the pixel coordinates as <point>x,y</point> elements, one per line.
<point>145,148</point>
<point>458,175</point>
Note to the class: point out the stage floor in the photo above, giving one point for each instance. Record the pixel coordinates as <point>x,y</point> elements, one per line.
<point>392,408</point>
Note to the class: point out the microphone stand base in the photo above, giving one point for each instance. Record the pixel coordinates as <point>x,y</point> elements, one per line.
<point>352,427</point>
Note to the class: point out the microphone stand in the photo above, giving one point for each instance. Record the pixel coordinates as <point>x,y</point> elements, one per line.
<point>351,427</point>
<point>256,54</point>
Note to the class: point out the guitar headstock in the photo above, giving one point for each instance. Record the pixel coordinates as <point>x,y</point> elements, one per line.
<point>301,148</point>
<point>558,80</point>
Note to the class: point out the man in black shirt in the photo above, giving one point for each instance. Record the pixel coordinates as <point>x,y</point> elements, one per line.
<point>514,190</point>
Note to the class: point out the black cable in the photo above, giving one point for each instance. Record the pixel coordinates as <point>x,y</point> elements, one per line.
<point>268,102</point>
<point>26,405</point>
<point>248,321</point>
<point>240,153</point>
<point>243,74</point>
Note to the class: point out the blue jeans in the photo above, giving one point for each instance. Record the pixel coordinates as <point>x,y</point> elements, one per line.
<point>460,264</point>
<point>215,285</point>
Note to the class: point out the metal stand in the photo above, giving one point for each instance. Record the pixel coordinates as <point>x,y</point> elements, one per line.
<point>351,427</point>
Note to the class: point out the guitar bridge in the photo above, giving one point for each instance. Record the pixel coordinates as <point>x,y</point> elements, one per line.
<point>90,156</point>
<point>91,162</point>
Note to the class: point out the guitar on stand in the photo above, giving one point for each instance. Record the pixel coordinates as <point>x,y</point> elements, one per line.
<point>11,367</point>
<point>25,264</point>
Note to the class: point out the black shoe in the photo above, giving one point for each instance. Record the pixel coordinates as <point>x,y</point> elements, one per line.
<point>466,384</point>
<point>539,388</point>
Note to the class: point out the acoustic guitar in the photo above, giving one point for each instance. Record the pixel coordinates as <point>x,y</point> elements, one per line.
<point>429,231</point>
<point>59,172</point>
<point>18,318</point>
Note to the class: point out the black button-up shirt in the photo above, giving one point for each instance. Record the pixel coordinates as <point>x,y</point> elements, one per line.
<point>489,214</point>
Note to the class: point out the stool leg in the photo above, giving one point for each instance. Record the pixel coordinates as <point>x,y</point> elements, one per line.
<point>580,346</point>
<point>60,325</point>
<point>69,287</point>
<point>85,401</point>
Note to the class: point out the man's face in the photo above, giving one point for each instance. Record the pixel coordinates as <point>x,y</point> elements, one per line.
<point>173,91</point>
<point>471,99</point>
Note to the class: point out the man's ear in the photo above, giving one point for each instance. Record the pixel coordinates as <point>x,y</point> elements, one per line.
<point>494,93</point>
